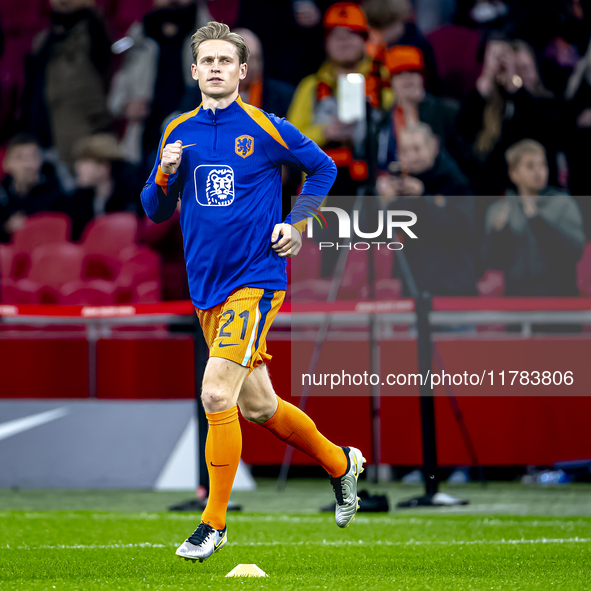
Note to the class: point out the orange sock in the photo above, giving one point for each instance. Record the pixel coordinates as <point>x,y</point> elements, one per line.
<point>295,427</point>
<point>222,454</point>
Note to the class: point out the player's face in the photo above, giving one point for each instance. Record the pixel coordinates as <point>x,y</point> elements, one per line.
<point>218,68</point>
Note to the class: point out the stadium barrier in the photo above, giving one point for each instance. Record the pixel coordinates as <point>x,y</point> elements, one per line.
<point>516,429</point>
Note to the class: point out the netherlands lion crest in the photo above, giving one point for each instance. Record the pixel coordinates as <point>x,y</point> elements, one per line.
<point>244,146</point>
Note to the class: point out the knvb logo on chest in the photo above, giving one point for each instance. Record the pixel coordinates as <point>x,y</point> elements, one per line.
<point>214,185</point>
<point>391,219</point>
<point>244,146</point>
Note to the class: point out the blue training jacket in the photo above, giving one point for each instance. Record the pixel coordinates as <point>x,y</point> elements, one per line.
<point>229,184</point>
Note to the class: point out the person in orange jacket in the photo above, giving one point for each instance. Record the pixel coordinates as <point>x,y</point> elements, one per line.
<point>314,107</point>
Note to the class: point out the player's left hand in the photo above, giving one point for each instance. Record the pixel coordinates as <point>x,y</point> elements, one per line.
<point>290,244</point>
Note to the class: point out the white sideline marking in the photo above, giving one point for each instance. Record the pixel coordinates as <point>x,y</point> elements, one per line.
<point>360,520</point>
<point>19,425</point>
<point>503,542</point>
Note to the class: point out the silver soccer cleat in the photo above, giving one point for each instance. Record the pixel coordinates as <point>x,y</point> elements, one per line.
<point>345,488</point>
<point>202,543</point>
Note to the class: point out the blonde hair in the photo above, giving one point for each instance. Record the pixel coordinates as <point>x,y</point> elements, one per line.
<point>101,147</point>
<point>383,13</point>
<point>215,30</point>
<point>492,123</point>
<point>517,151</point>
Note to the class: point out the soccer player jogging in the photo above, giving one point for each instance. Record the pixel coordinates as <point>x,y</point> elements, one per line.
<point>223,161</point>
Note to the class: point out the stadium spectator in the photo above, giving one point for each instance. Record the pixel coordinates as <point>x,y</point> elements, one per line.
<point>544,107</point>
<point>273,96</point>
<point>314,107</point>
<point>424,168</point>
<point>257,89</point>
<point>66,78</point>
<point>170,25</point>
<point>103,182</point>
<point>29,186</point>
<point>481,13</point>
<point>535,234</point>
<point>306,13</point>
<point>390,26</point>
<point>412,103</point>
<point>314,110</point>
<point>578,114</point>
<point>526,67</point>
<point>291,34</point>
<point>132,90</point>
<point>557,30</point>
<point>431,185</point>
<point>499,113</point>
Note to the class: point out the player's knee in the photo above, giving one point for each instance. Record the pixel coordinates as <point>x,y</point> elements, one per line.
<point>257,413</point>
<point>215,399</point>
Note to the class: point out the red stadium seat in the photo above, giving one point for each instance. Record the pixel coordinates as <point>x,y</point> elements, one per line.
<point>54,265</point>
<point>306,265</point>
<point>492,284</point>
<point>385,289</point>
<point>584,272</point>
<point>23,291</point>
<point>39,229</point>
<point>103,240</point>
<point>139,264</point>
<point>19,17</point>
<point>354,286</point>
<point>95,292</point>
<point>148,292</point>
<point>42,228</point>
<point>456,53</point>
<point>355,276</point>
<point>101,266</point>
<point>384,260</point>
<point>110,234</point>
<point>309,290</point>
<point>6,258</point>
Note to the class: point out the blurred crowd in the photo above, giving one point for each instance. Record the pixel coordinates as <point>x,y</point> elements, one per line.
<point>478,119</point>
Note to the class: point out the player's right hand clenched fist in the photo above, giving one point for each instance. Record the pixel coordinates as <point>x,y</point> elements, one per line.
<point>171,157</point>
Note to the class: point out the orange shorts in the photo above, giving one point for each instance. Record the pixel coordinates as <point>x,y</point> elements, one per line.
<point>237,328</point>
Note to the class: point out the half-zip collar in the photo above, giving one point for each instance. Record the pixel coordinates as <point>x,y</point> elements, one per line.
<point>220,114</point>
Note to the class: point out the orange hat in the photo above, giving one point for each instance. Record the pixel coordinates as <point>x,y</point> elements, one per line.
<point>348,16</point>
<point>404,58</point>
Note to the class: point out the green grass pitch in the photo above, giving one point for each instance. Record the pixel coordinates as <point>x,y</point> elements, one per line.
<point>88,540</point>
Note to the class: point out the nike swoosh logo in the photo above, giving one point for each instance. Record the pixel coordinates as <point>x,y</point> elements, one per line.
<point>227,344</point>
<point>216,546</point>
<point>356,466</point>
<point>218,465</point>
<point>19,425</point>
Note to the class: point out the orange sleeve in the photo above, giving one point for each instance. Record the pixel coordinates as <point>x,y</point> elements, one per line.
<point>162,179</point>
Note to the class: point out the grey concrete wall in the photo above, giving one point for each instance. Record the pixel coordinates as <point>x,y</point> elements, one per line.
<point>88,443</point>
